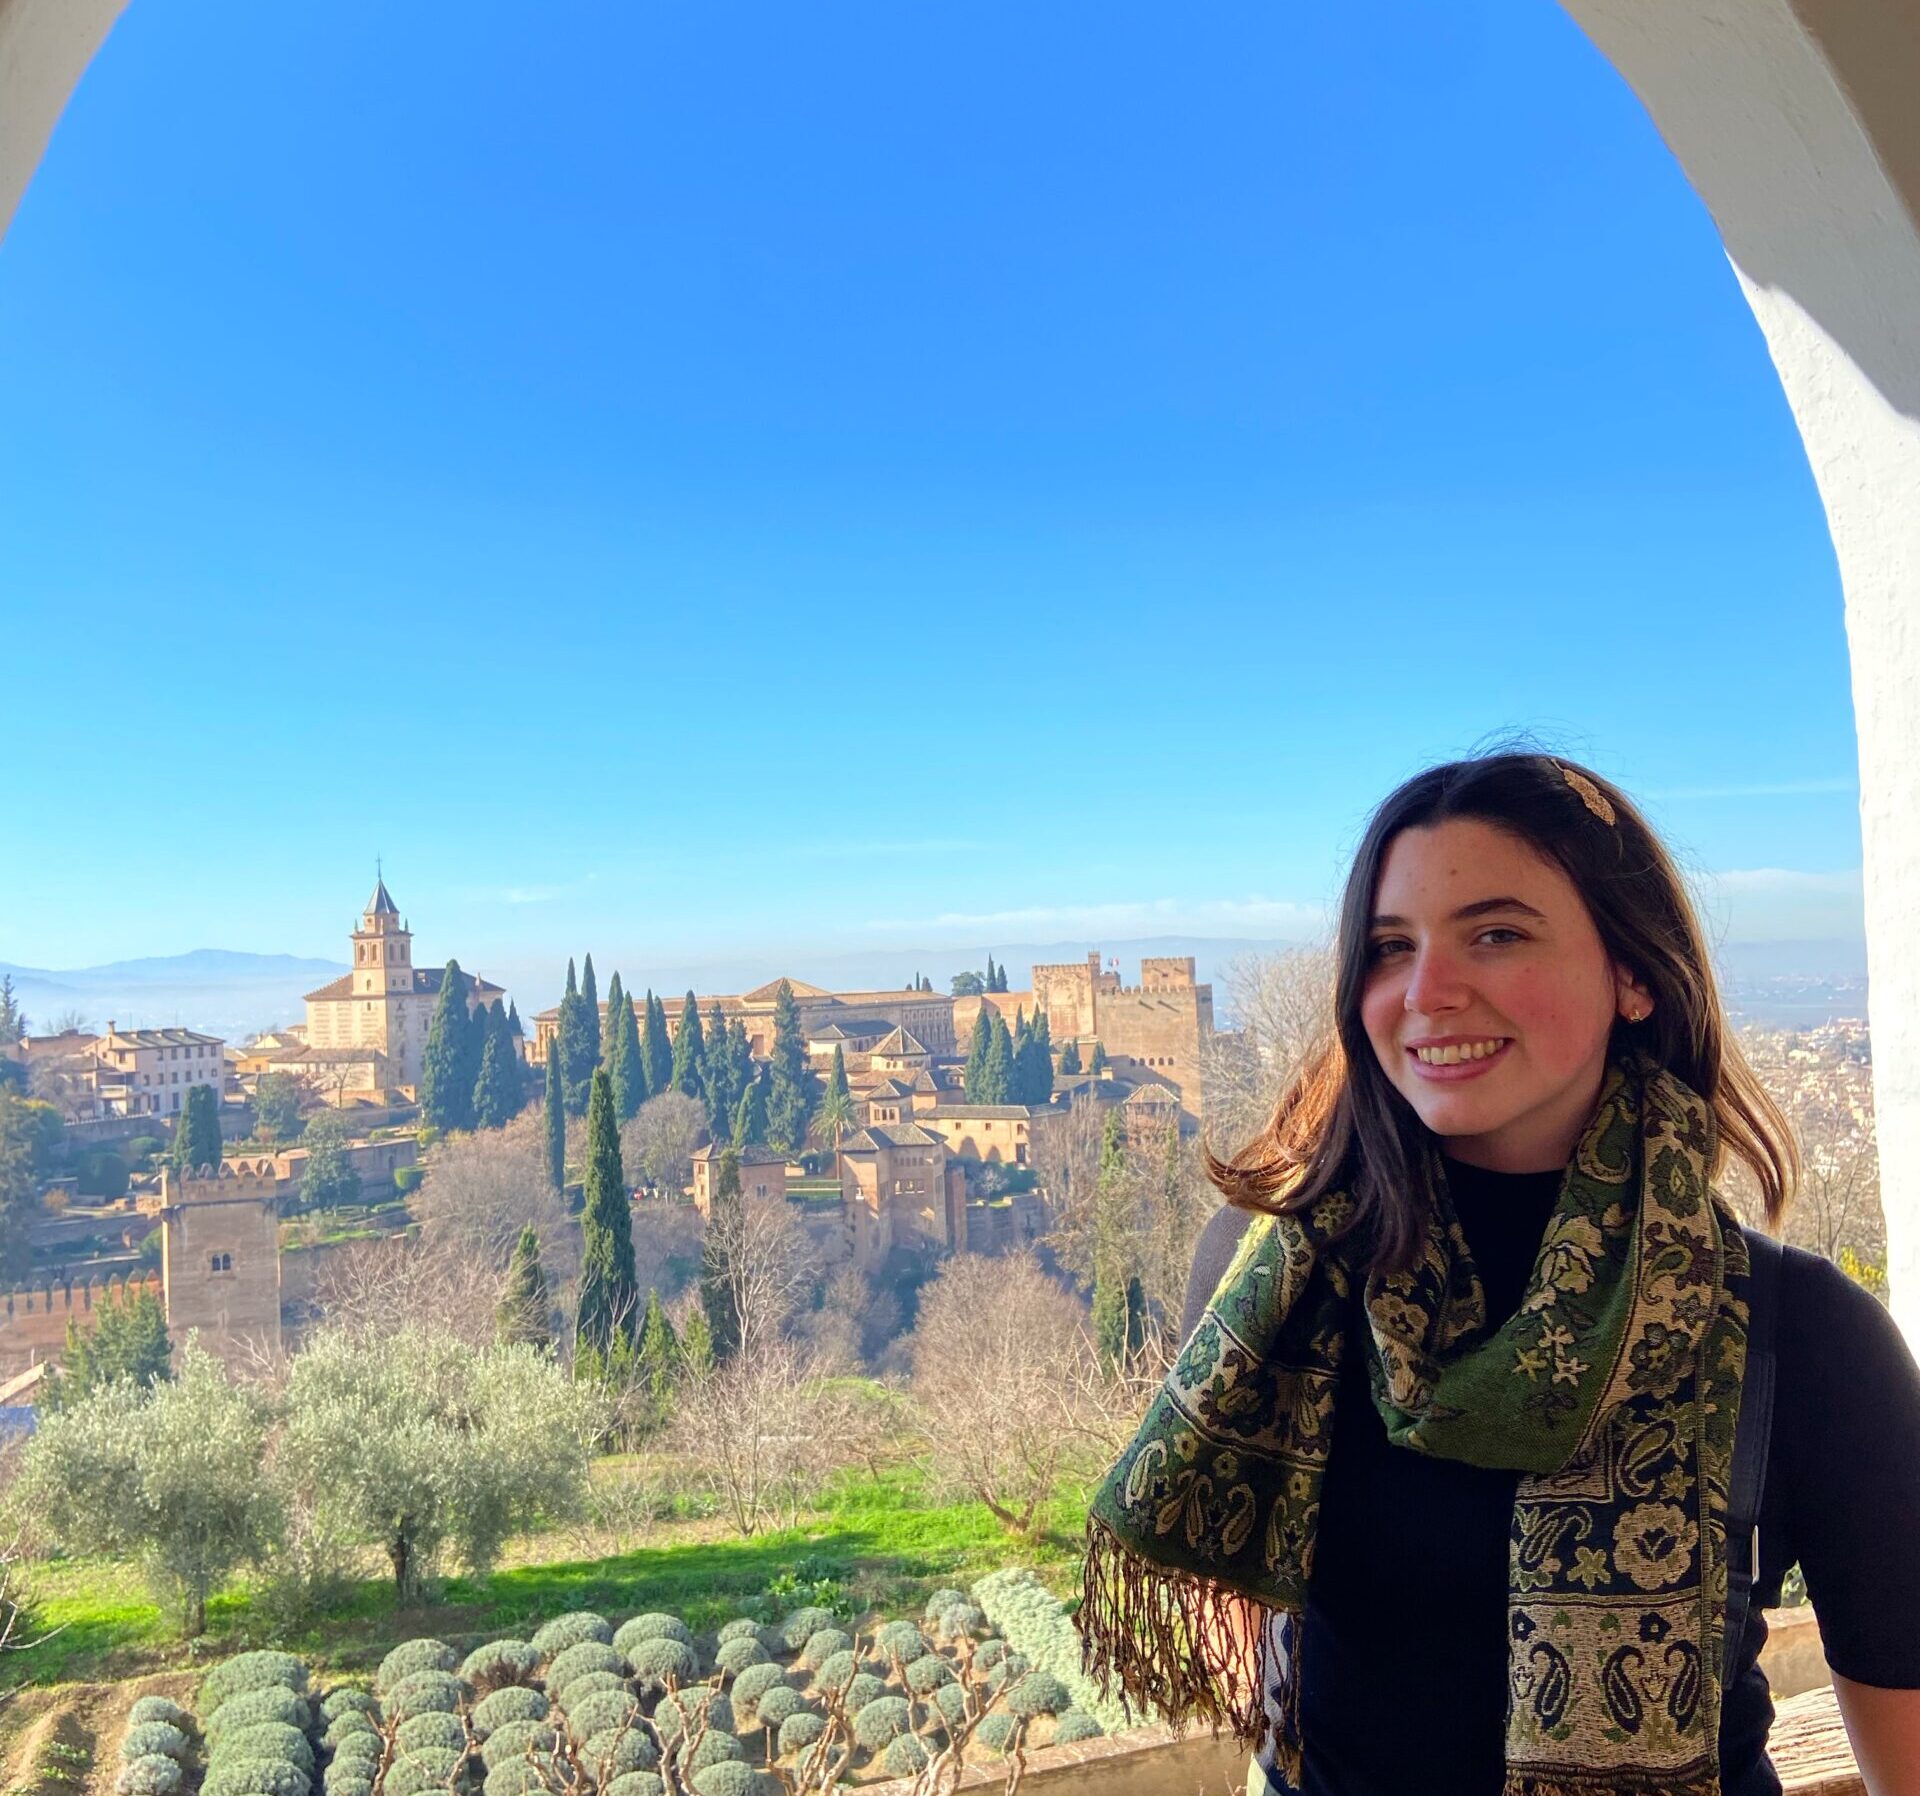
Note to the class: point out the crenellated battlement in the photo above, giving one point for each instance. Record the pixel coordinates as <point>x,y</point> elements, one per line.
<point>75,1296</point>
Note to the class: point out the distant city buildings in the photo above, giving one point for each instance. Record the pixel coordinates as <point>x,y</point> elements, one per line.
<point>125,1072</point>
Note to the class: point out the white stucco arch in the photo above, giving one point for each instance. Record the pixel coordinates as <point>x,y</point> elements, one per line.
<point>1794,122</point>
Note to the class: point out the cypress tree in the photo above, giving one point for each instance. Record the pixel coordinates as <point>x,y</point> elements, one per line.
<point>1099,1062</point>
<point>837,1076</point>
<point>790,1085</point>
<point>556,1116</point>
<point>996,1070</point>
<point>655,1055</point>
<point>196,1136</point>
<point>446,1084</point>
<point>609,1285</point>
<point>718,1084</point>
<point>1110,1255</point>
<point>493,1091</point>
<point>623,1052</point>
<point>516,1067</point>
<point>590,992</point>
<point>513,1021</point>
<point>525,1316</point>
<point>689,1052</point>
<point>1036,1070</point>
<point>658,1357</point>
<point>977,1048</point>
<point>1070,1056</point>
<point>696,1346</point>
<point>749,1123</point>
<point>716,1290</point>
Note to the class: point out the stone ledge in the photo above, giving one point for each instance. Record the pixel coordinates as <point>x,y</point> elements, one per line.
<point>1143,1761</point>
<point>1809,1747</point>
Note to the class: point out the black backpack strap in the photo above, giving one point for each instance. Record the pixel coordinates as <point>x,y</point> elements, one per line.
<point>1750,1442</point>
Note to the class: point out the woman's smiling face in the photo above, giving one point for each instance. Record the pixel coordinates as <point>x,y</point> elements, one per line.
<point>1476,940</point>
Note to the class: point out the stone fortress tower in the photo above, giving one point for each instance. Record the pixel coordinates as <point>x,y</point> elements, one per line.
<point>220,1257</point>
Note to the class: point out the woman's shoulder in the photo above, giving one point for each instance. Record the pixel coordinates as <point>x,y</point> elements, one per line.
<point>1212,1254</point>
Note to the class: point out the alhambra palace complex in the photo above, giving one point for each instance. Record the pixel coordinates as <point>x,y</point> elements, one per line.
<point>905,1170</point>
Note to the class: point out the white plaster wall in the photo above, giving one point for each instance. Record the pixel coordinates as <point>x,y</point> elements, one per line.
<point>45,46</point>
<point>1825,247</point>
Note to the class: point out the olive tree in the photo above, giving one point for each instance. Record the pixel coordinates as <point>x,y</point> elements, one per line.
<point>425,1447</point>
<point>169,1474</point>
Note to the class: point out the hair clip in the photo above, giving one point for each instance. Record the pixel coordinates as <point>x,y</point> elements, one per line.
<point>1590,794</point>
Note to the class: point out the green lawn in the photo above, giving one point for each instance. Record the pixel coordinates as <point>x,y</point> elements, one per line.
<point>884,1539</point>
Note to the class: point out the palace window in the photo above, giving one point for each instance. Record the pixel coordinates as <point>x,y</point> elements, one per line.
<point>220,1262</point>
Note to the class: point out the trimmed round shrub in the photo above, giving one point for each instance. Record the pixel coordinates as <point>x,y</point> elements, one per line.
<point>802,1623</point>
<point>880,1721</point>
<point>360,1749</point>
<point>600,1710</point>
<point>995,1733</point>
<point>989,1653</point>
<point>432,1728</point>
<point>264,1740</point>
<point>1076,1724</point>
<point>1013,1665</point>
<point>726,1777</point>
<point>1037,1693</point>
<point>161,1708</point>
<point>837,1673</point>
<point>671,1718</point>
<point>864,1689</point>
<point>901,1640</point>
<point>943,1600</point>
<point>251,1707</point>
<point>571,1629</point>
<point>430,1769</point>
<point>618,1749</point>
<point>411,1656</point>
<point>350,1724</point>
<point>715,1748</point>
<point>927,1673</point>
<point>582,1656</point>
<point>777,1704</point>
<point>656,1660</point>
<point>742,1627</point>
<point>734,1656</point>
<point>517,1777</point>
<point>514,1739</point>
<point>500,1662</point>
<point>348,1780</point>
<point>251,1671</point>
<point>348,1699</point>
<point>636,1783</point>
<point>798,1732</point>
<point>154,1775</point>
<point>957,1623</point>
<point>595,1683</point>
<point>515,1703</point>
<point>822,1644</point>
<point>257,1777</point>
<point>423,1691</point>
<point>904,1756</point>
<point>654,1625</point>
<point>950,1703</point>
<point>754,1683</point>
<point>154,1737</point>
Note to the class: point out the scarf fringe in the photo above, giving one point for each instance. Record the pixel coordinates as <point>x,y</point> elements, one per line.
<point>1180,1646</point>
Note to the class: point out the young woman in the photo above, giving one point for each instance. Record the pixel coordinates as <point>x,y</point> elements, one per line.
<point>1436,1498</point>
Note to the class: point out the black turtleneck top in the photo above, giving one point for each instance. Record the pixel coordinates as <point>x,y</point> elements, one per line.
<point>1404,1664</point>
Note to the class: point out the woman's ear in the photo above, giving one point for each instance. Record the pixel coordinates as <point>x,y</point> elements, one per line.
<point>1631,997</point>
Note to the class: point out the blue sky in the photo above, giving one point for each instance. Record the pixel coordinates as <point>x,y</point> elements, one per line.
<point>682,479</point>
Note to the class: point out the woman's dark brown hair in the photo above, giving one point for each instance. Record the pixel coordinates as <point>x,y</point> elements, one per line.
<point>1341,1124</point>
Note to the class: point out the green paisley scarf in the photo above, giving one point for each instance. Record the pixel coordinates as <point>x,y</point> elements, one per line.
<point>1614,1391</point>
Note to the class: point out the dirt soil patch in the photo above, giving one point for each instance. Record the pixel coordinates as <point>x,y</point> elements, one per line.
<point>64,1741</point>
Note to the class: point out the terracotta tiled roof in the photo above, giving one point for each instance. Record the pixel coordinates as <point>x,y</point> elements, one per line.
<point>900,1042</point>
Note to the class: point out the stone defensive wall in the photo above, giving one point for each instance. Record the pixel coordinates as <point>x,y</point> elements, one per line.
<point>33,1319</point>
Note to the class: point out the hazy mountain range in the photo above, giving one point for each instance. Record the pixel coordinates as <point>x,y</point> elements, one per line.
<point>234,995</point>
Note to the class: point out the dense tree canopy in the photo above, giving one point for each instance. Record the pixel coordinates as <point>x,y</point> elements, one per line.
<point>449,1069</point>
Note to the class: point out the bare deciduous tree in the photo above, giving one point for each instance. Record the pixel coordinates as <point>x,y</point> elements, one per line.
<point>1282,1009</point>
<point>763,1431</point>
<point>482,1189</point>
<point>768,1264</point>
<point>997,1343</point>
<point>377,1287</point>
<point>657,1143</point>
